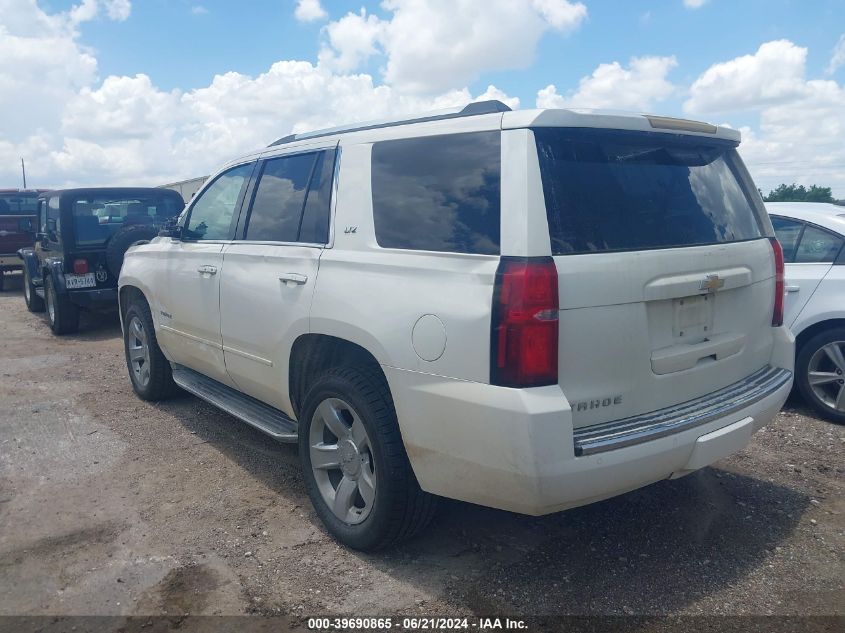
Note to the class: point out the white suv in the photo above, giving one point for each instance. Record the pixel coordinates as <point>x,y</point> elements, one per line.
<point>528,310</point>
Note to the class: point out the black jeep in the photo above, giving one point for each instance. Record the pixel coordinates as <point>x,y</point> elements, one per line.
<point>82,237</point>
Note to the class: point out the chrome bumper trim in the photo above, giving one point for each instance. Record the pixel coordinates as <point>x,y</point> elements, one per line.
<point>650,426</point>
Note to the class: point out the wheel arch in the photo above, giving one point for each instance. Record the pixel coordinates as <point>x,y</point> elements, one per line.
<point>810,331</point>
<point>125,295</point>
<point>313,354</point>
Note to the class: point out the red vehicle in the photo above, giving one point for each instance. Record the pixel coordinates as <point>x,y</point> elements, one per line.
<point>17,226</point>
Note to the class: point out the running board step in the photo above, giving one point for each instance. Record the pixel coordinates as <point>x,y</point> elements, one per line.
<point>247,409</point>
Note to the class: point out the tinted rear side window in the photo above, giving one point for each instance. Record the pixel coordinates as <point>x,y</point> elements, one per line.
<point>613,191</point>
<point>438,193</point>
<point>292,200</point>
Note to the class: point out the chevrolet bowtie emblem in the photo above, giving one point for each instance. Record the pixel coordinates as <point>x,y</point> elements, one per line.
<point>711,283</point>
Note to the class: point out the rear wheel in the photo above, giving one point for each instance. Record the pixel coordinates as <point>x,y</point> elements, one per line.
<point>820,369</point>
<point>149,370</point>
<point>34,303</point>
<point>355,467</point>
<point>61,313</point>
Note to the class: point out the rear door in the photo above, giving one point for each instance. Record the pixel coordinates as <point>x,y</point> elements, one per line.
<point>666,272</point>
<point>809,252</point>
<point>270,272</point>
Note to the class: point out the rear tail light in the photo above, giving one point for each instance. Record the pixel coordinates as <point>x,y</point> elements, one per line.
<point>80,266</point>
<point>524,336</point>
<point>777,312</point>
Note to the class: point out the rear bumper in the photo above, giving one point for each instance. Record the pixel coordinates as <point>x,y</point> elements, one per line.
<point>515,449</point>
<point>103,299</point>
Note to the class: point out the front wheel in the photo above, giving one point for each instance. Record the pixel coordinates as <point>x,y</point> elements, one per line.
<point>820,373</point>
<point>61,313</point>
<point>149,370</point>
<point>356,471</point>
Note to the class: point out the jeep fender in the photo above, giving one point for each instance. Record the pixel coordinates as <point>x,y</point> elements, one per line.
<point>30,260</point>
<point>54,266</point>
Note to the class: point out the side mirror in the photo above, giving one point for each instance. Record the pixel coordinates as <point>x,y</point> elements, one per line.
<point>173,231</point>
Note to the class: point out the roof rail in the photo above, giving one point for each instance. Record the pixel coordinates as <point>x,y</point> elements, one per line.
<point>471,109</point>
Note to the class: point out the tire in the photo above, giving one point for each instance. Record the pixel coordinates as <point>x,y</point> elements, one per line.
<point>121,241</point>
<point>399,509</point>
<point>824,356</point>
<point>62,315</point>
<point>149,371</point>
<point>34,303</point>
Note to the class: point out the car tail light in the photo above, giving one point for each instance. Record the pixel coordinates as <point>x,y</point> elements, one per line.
<point>524,336</point>
<point>777,312</point>
<point>80,266</point>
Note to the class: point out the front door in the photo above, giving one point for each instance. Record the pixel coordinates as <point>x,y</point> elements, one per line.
<point>270,274</point>
<point>190,297</point>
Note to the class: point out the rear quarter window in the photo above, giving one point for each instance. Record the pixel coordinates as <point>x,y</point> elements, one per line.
<point>619,191</point>
<point>438,193</point>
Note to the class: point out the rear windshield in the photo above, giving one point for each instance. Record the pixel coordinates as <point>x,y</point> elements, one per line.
<point>96,219</point>
<point>617,191</point>
<point>18,204</point>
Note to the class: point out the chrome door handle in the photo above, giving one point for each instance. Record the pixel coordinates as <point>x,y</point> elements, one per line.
<point>792,288</point>
<point>295,278</point>
<point>207,270</point>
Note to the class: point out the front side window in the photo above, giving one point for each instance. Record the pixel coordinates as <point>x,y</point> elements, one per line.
<point>211,214</point>
<point>612,190</point>
<point>817,246</point>
<point>53,225</point>
<point>438,193</point>
<point>291,202</point>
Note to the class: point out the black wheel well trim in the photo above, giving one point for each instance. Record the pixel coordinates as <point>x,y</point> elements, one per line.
<point>313,354</point>
<point>816,328</point>
<point>125,294</point>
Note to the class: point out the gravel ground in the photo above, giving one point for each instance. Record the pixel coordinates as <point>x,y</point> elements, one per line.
<point>113,506</point>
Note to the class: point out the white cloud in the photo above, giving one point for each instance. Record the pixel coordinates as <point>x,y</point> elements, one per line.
<point>199,9</point>
<point>837,59</point>
<point>127,130</point>
<point>562,15</point>
<point>800,136</point>
<point>118,10</point>
<point>613,86</point>
<point>309,11</point>
<point>352,40</point>
<point>695,4</point>
<point>433,45</point>
<point>774,74</point>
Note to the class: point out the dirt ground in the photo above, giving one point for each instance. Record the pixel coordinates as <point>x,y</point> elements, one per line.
<point>110,505</point>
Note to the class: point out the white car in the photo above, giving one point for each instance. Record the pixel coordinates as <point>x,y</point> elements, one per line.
<point>528,310</point>
<point>812,236</point>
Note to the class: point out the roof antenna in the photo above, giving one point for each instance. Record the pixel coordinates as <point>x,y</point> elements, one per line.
<point>23,171</point>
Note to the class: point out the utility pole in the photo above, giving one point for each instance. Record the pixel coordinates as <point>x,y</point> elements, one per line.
<point>23,171</point>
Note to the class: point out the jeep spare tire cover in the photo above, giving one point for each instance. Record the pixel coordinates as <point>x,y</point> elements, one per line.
<point>121,241</point>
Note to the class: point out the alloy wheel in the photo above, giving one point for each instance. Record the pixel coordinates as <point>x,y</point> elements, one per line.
<point>826,375</point>
<point>342,460</point>
<point>138,348</point>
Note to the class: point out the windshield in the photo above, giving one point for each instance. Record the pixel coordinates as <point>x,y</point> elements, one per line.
<point>96,219</point>
<point>18,203</point>
<point>609,190</point>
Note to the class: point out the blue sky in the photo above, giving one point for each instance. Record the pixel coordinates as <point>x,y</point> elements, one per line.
<point>167,57</point>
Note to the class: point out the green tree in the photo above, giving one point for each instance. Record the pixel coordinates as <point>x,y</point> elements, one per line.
<point>799,193</point>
